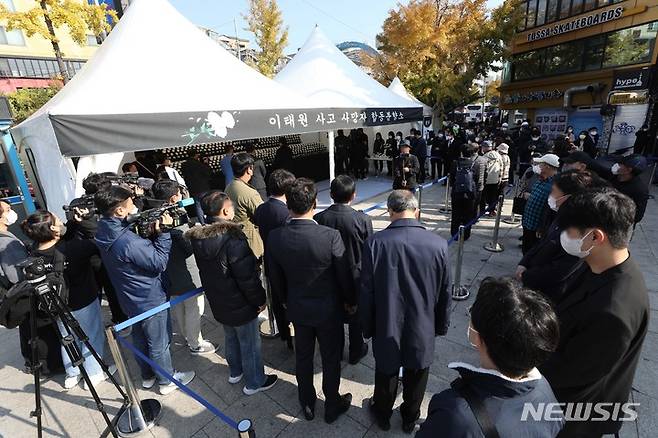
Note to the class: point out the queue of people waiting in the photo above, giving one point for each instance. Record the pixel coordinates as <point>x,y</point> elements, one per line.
<point>574,340</point>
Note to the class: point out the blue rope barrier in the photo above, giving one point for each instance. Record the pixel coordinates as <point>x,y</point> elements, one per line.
<point>219,414</point>
<point>141,317</point>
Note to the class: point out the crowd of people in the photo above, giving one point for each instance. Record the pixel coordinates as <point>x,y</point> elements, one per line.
<point>566,327</point>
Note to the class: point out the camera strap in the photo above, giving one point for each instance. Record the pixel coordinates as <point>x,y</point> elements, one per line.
<point>477,406</point>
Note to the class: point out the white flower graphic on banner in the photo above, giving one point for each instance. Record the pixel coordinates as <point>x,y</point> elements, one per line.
<point>220,124</point>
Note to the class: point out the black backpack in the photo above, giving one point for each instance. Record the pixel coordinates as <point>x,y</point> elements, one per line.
<point>464,181</point>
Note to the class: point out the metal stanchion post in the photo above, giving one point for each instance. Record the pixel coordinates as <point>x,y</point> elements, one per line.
<point>459,292</point>
<point>246,429</point>
<point>139,416</point>
<point>420,201</point>
<point>446,204</point>
<point>268,328</point>
<point>512,217</point>
<point>494,246</point>
<point>653,173</point>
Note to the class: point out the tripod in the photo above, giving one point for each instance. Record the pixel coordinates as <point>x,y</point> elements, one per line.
<point>43,296</point>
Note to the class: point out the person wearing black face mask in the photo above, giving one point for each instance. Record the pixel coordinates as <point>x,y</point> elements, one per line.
<point>406,168</point>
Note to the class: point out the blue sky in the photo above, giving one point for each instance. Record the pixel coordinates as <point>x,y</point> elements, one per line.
<point>340,20</point>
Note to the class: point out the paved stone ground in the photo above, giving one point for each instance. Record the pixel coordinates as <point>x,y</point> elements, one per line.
<point>276,413</point>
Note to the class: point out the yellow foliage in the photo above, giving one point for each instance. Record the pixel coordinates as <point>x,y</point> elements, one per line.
<point>438,47</point>
<point>266,23</point>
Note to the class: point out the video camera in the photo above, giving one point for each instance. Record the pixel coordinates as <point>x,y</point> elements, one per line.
<point>85,202</point>
<point>144,222</point>
<point>129,179</point>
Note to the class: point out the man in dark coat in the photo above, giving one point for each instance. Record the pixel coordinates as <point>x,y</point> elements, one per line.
<point>604,315</point>
<point>308,270</point>
<point>507,380</point>
<point>628,180</point>
<point>404,303</point>
<point>405,169</point>
<point>420,152</point>
<point>284,158</point>
<point>354,227</point>
<point>231,280</point>
<point>269,216</point>
<point>342,145</point>
<point>197,175</point>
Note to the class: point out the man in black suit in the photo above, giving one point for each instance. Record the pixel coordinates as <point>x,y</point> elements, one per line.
<point>604,314</point>
<point>403,303</point>
<point>405,169</point>
<point>309,271</point>
<point>269,216</point>
<point>354,227</point>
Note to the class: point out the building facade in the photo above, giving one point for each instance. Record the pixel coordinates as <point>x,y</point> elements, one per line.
<point>585,63</point>
<point>29,62</point>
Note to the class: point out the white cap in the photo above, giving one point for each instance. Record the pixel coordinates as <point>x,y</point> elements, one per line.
<point>550,159</point>
<point>524,123</point>
<point>503,147</point>
<point>504,125</point>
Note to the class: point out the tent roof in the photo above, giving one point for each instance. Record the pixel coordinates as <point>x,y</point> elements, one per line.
<point>323,73</point>
<point>398,88</point>
<point>156,61</point>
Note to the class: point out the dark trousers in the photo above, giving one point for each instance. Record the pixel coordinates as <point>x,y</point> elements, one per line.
<point>104,282</point>
<point>197,208</point>
<point>341,164</point>
<point>528,240</point>
<point>489,197</point>
<point>463,211</point>
<point>423,173</point>
<point>330,337</point>
<point>355,336</point>
<point>414,383</point>
<point>436,167</point>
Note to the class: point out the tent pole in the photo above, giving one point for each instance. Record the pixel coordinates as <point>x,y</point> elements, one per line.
<point>332,153</point>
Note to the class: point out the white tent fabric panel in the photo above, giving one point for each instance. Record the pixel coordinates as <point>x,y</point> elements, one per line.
<point>324,74</point>
<point>397,87</point>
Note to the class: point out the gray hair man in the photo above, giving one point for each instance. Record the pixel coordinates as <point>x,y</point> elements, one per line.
<point>404,267</point>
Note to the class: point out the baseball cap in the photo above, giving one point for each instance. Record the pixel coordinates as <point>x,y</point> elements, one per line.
<point>636,162</point>
<point>550,159</point>
<point>503,147</point>
<point>576,157</point>
<point>524,123</point>
<point>504,125</point>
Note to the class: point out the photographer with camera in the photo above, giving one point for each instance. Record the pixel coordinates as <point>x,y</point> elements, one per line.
<point>85,226</point>
<point>69,260</point>
<point>182,275</point>
<point>136,266</point>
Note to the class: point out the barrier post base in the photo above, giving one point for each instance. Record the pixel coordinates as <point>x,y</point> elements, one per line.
<point>246,429</point>
<point>268,329</point>
<point>511,220</point>
<point>493,247</point>
<point>460,293</point>
<point>128,424</point>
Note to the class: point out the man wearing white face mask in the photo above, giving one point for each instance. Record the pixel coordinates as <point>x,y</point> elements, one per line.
<point>12,250</point>
<point>628,181</point>
<point>604,314</point>
<point>533,214</point>
<point>547,267</point>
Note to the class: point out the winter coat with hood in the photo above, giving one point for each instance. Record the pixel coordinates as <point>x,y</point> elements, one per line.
<point>229,271</point>
<point>135,265</point>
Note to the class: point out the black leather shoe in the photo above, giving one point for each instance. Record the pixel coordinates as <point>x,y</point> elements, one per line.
<point>355,359</point>
<point>384,425</point>
<point>408,427</point>
<point>343,405</point>
<point>309,413</point>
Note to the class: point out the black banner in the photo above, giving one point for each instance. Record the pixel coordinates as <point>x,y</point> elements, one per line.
<point>100,134</point>
<point>631,79</point>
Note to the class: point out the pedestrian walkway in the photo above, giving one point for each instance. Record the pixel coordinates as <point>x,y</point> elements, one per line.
<point>276,413</point>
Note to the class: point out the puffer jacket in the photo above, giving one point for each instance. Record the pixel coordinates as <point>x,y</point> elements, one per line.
<point>229,271</point>
<point>135,265</point>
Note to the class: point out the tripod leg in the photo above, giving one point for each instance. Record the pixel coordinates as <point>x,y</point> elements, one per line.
<point>36,363</point>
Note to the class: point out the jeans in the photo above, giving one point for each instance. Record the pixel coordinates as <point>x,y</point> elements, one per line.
<point>91,322</point>
<point>243,353</point>
<point>197,207</point>
<point>152,338</point>
<point>188,316</point>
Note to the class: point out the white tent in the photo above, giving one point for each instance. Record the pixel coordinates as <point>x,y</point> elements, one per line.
<point>398,88</point>
<point>324,74</point>
<point>157,81</point>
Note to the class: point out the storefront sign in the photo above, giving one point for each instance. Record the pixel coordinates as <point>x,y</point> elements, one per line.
<point>552,123</point>
<point>533,96</point>
<point>628,98</point>
<point>583,22</point>
<point>634,79</point>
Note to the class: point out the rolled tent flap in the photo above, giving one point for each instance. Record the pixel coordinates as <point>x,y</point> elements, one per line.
<point>97,134</point>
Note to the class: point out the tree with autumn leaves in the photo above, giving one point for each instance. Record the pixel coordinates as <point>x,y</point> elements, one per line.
<point>266,23</point>
<point>77,17</point>
<point>439,47</point>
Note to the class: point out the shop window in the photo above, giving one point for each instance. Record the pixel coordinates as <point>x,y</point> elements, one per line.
<point>593,54</point>
<point>629,46</point>
<point>590,4</point>
<point>541,12</point>
<point>551,10</point>
<point>564,58</point>
<point>530,17</point>
<point>528,65</point>
<point>565,7</point>
<point>11,37</point>
<point>576,7</point>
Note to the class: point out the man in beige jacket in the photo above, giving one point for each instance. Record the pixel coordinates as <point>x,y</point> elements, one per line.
<point>245,199</point>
